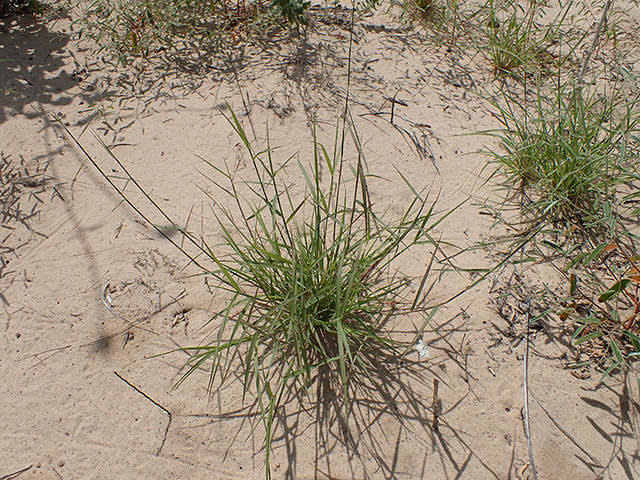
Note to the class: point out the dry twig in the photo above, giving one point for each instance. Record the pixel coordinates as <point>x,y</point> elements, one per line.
<point>596,37</point>
<point>15,474</point>
<point>434,405</point>
<point>166,431</point>
<point>525,416</point>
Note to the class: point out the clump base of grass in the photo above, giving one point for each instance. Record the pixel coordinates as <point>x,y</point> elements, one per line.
<point>569,155</point>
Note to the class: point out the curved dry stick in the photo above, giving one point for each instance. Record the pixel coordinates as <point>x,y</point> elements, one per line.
<point>525,419</point>
<point>596,37</point>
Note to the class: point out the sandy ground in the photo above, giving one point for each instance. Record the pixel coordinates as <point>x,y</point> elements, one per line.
<point>82,394</point>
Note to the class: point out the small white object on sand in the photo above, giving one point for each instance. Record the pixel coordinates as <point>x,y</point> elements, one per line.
<point>422,349</point>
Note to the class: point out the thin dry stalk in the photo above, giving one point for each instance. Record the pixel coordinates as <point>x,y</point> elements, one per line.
<point>596,37</point>
<point>527,425</point>
<point>434,405</point>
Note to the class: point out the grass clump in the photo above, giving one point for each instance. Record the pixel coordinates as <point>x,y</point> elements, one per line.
<point>309,277</point>
<point>570,161</point>
<point>569,156</point>
<point>513,40</point>
<point>509,35</point>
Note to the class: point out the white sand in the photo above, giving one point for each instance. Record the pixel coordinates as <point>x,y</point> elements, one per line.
<point>64,411</point>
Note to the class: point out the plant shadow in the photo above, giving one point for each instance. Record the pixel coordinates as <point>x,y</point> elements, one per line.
<point>392,413</point>
<point>33,58</point>
<point>621,426</point>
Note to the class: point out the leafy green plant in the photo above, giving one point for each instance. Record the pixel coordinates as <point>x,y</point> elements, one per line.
<point>604,287</point>
<point>293,11</point>
<point>570,154</point>
<point>601,304</point>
